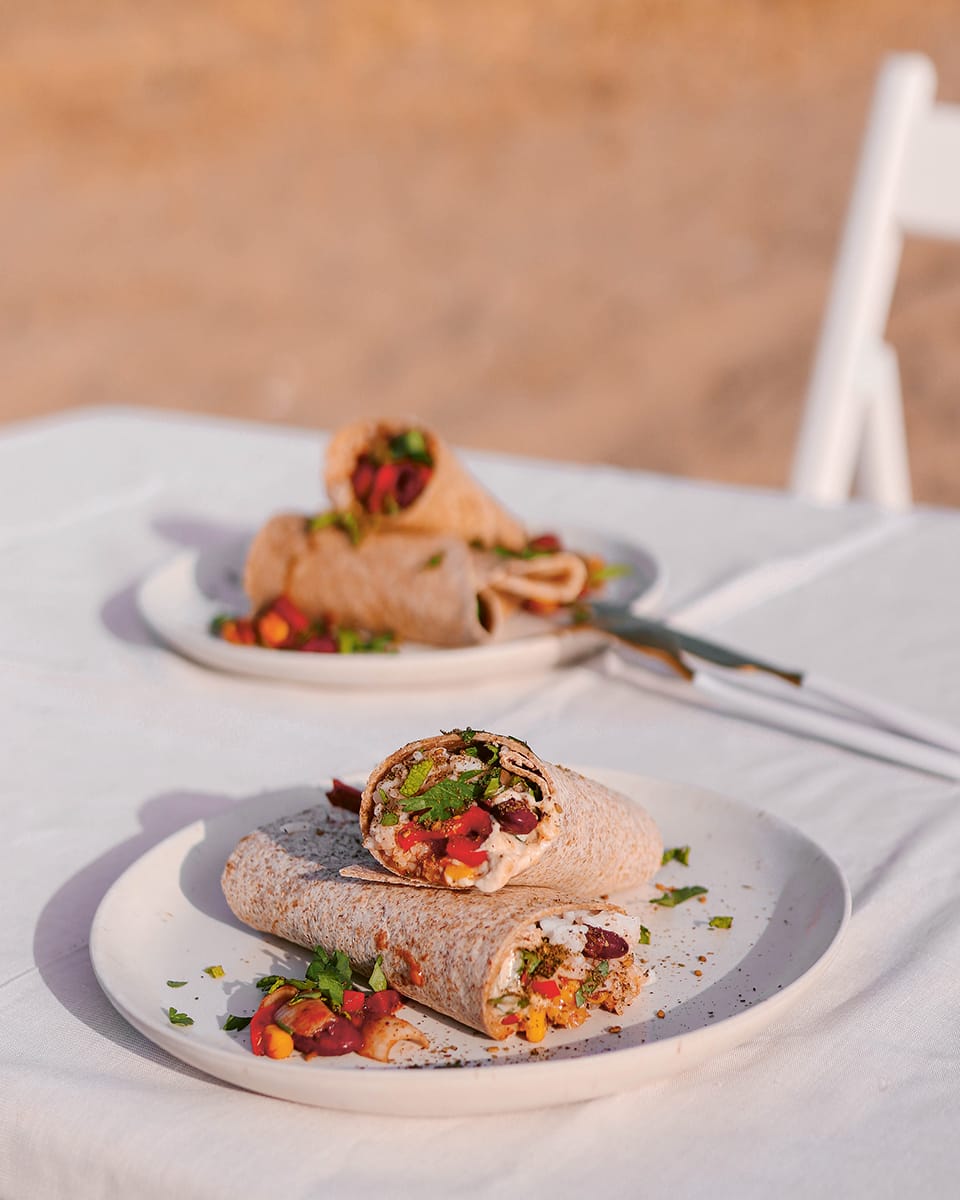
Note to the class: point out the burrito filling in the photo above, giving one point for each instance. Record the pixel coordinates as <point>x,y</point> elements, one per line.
<point>280,625</point>
<point>392,471</point>
<point>460,818</point>
<point>569,964</point>
<point>326,1014</point>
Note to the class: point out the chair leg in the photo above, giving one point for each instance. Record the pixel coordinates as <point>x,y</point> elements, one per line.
<point>883,469</point>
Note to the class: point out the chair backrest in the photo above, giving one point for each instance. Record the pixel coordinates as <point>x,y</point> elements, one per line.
<point>908,182</point>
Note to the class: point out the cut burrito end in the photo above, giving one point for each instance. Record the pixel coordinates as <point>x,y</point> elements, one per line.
<point>562,967</point>
<point>464,810</point>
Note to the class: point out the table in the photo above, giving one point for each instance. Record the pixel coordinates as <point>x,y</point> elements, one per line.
<point>110,742</point>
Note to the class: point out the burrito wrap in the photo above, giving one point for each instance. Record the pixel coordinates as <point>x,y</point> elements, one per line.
<point>452,502</point>
<point>589,838</point>
<point>444,950</point>
<point>418,586</point>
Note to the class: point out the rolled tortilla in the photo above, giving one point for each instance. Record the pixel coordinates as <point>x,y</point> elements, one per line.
<point>515,816</point>
<point>455,954</point>
<point>424,587</point>
<point>451,502</point>
<point>418,586</point>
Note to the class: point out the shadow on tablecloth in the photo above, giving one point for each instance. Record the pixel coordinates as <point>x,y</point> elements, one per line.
<point>60,943</point>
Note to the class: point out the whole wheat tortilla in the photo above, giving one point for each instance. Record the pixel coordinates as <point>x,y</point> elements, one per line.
<point>443,950</point>
<point>452,502</point>
<point>419,586</point>
<point>590,839</point>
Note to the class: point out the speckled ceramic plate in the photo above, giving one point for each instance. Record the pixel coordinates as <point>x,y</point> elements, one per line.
<point>180,599</point>
<point>713,989</point>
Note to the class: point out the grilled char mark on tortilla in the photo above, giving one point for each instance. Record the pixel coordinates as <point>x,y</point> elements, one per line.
<point>465,956</point>
<point>469,810</point>
<point>450,500</point>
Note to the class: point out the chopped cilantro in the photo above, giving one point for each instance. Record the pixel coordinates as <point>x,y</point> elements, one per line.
<point>176,983</point>
<point>445,799</point>
<point>411,445</point>
<point>216,972</point>
<point>178,1018</point>
<point>434,560</point>
<point>378,980</point>
<point>677,896</point>
<point>389,818</point>
<point>340,520</point>
<point>329,974</point>
<point>721,922</point>
<point>644,936</point>
<point>529,961</point>
<point>680,854</point>
<point>416,777</point>
<point>233,1022</point>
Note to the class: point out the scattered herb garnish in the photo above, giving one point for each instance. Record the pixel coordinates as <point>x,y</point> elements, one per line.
<point>677,896</point>
<point>378,980</point>
<point>340,520</point>
<point>680,854</point>
<point>592,982</point>
<point>434,560</point>
<point>721,922</point>
<point>644,936</point>
<point>233,1022</point>
<point>216,972</point>
<point>329,974</point>
<point>178,1018</point>
<point>389,818</point>
<point>176,983</point>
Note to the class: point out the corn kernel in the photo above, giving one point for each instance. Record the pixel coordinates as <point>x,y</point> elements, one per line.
<point>454,872</point>
<point>277,1043</point>
<point>536,1025</point>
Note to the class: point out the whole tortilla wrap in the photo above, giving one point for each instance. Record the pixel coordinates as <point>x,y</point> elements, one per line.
<point>452,502</point>
<point>424,587</point>
<point>589,839</point>
<point>418,586</point>
<point>443,950</point>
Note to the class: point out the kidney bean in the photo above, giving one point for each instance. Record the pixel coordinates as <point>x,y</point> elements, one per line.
<point>412,478</point>
<point>515,816</point>
<point>363,477</point>
<point>342,795</point>
<point>604,943</point>
<point>339,1037</point>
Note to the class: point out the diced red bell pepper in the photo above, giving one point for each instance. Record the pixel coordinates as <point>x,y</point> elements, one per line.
<point>464,850</point>
<point>297,620</point>
<point>475,823</point>
<point>412,833</point>
<point>342,795</point>
<point>509,1019</point>
<point>382,1004</point>
<point>264,1015</point>
<point>545,987</point>
<point>353,1001</point>
<point>363,476</point>
<point>384,485</point>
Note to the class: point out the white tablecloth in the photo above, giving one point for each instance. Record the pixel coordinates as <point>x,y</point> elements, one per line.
<point>110,742</point>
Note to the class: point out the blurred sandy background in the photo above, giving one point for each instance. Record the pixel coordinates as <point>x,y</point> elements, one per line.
<point>595,230</point>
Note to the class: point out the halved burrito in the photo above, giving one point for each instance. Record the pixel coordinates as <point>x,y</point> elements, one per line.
<point>468,810</point>
<point>518,962</point>
<point>406,477</point>
<point>418,586</point>
<point>424,587</point>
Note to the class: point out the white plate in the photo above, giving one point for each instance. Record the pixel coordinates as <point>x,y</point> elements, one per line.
<point>180,599</point>
<point>165,918</point>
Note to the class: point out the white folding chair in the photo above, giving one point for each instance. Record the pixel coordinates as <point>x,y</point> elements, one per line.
<point>908,182</point>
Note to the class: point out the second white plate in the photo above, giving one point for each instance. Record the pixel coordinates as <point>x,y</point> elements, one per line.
<point>180,599</point>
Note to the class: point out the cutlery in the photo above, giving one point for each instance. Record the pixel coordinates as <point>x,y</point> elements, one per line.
<point>806,702</point>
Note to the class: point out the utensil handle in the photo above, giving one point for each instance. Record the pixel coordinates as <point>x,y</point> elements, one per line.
<point>808,722</point>
<point>891,716</point>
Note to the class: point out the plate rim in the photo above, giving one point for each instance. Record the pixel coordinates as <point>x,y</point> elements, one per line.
<point>431,1086</point>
